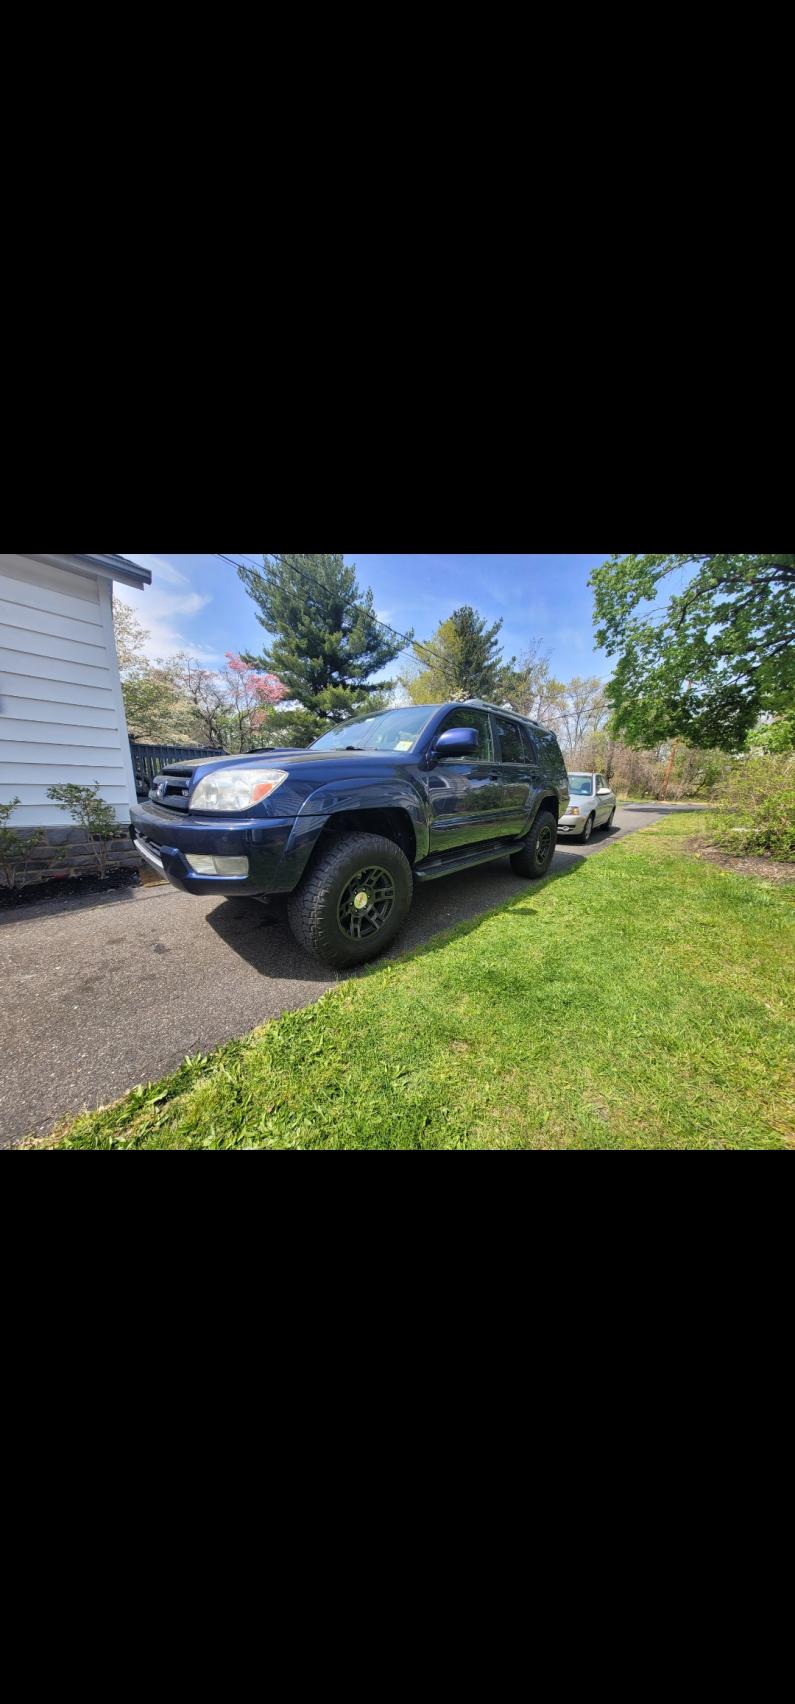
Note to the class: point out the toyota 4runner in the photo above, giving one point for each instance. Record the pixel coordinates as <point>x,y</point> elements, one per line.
<point>345,828</point>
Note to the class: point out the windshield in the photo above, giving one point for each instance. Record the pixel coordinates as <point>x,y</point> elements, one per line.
<point>580,786</point>
<point>390,730</point>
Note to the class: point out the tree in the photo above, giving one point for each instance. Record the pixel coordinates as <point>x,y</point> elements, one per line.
<point>533,690</point>
<point>705,663</point>
<point>251,698</point>
<point>179,700</point>
<point>227,707</point>
<point>776,735</point>
<point>583,710</point>
<point>462,660</point>
<point>326,642</point>
<point>152,705</point>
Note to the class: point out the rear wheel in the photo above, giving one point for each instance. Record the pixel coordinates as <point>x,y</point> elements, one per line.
<point>538,851</point>
<point>609,822</point>
<point>353,901</point>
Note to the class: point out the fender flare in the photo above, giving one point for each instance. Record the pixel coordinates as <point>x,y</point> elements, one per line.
<point>335,797</point>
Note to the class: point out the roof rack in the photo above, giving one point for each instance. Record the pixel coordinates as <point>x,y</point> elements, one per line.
<point>499,710</point>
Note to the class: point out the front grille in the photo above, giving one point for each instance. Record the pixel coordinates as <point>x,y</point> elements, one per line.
<point>172,786</point>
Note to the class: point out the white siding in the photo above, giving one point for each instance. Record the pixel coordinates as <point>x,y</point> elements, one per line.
<point>61,710</point>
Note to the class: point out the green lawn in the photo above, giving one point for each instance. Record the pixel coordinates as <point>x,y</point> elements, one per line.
<point>643,1000</point>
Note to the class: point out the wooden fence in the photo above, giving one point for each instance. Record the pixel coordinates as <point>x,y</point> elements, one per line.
<point>148,760</point>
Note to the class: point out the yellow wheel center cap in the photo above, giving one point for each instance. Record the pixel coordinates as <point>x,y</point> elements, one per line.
<point>361,901</point>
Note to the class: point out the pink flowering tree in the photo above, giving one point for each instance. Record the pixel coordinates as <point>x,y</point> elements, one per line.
<point>251,699</point>
<point>230,707</point>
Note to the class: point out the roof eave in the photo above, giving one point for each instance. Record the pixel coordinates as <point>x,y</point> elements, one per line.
<point>100,567</point>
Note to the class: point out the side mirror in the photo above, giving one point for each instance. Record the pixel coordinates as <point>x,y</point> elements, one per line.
<point>456,742</point>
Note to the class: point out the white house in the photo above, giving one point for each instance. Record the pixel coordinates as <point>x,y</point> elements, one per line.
<point>61,707</point>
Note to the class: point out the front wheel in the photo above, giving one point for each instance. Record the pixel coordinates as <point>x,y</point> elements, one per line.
<point>538,851</point>
<point>588,830</point>
<point>353,901</point>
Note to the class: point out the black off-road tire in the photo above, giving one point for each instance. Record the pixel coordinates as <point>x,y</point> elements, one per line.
<point>539,849</point>
<point>313,909</point>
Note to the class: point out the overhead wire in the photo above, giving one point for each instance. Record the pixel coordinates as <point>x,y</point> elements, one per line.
<point>409,646</point>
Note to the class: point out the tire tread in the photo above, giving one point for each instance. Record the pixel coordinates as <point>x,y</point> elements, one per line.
<point>307,906</point>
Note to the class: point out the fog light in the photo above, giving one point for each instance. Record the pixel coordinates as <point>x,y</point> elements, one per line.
<point>206,865</point>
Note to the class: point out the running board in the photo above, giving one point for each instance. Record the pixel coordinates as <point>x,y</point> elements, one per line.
<point>446,865</point>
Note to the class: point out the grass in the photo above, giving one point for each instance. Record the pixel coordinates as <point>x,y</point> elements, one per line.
<point>644,1000</point>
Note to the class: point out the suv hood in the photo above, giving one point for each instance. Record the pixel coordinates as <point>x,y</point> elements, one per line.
<point>173,786</point>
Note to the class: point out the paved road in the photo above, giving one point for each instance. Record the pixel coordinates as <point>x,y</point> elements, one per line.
<point>106,993</point>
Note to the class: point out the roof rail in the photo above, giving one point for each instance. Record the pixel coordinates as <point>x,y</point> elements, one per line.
<point>500,710</point>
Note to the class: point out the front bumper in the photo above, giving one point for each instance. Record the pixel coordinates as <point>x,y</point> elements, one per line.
<point>575,826</point>
<point>276,855</point>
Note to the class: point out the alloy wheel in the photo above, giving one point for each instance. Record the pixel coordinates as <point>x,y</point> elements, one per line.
<point>543,845</point>
<point>366,902</point>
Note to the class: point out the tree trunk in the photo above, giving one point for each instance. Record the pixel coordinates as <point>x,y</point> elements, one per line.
<point>668,773</point>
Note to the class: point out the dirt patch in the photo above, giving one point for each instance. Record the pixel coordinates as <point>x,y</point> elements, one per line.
<point>60,890</point>
<point>765,869</point>
<point>149,877</point>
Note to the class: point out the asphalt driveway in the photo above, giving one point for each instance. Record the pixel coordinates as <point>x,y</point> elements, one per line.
<point>105,993</point>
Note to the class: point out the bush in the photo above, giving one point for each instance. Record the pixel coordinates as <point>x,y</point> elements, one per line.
<point>15,849</point>
<point>761,794</point>
<point>92,813</point>
<point>777,735</point>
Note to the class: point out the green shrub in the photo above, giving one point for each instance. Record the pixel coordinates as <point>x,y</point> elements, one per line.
<point>96,818</point>
<point>761,795</point>
<point>15,849</point>
<point>777,735</point>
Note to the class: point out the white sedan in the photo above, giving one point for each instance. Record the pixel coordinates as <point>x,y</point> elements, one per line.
<point>592,804</point>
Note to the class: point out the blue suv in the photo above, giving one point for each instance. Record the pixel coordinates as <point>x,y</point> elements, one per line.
<point>346,827</point>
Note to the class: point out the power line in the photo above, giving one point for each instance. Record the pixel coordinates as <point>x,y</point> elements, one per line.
<point>408,646</point>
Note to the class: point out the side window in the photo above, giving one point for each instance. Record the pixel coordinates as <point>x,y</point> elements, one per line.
<point>477,719</point>
<point>511,742</point>
<point>551,759</point>
<point>530,746</point>
<point>601,782</point>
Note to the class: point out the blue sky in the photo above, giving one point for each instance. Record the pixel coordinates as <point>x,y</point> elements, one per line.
<point>197,603</point>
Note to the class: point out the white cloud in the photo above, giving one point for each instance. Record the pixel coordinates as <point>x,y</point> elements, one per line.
<point>163,612</point>
<point>162,615</point>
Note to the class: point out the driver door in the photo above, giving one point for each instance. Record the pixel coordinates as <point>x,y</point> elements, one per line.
<point>605,800</point>
<point>465,793</point>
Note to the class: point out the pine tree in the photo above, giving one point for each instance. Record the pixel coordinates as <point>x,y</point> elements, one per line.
<point>462,660</point>
<point>326,643</point>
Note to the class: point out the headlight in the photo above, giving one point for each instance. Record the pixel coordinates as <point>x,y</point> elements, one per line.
<point>236,789</point>
<point>572,811</point>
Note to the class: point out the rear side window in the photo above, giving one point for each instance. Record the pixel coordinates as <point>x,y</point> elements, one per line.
<point>511,742</point>
<point>481,722</point>
<point>551,758</point>
<point>530,747</point>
